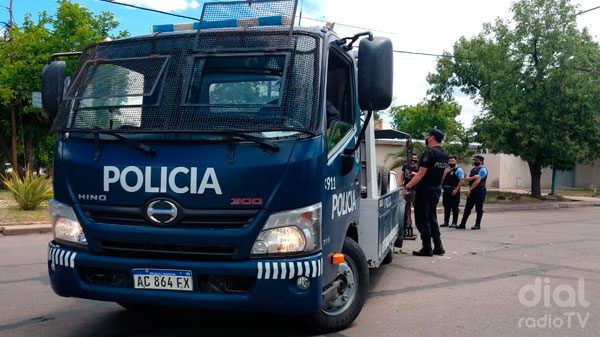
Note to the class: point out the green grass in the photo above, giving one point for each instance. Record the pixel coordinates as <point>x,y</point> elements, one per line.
<point>10,211</point>
<point>508,197</point>
<point>578,193</point>
<point>496,197</point>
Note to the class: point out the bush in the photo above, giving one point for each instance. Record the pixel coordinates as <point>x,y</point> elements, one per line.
<point>29,191</point>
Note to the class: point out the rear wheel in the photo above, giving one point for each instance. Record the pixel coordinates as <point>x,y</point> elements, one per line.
<point>353,275</point>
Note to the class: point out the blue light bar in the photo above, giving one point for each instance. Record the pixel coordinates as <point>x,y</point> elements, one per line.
<point>174,27</point>
<point>277,20</point>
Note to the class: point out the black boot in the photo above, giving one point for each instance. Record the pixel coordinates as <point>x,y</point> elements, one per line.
<point>438,247</point>
<point>446,217</point>
<point>463,222</point>
<point>454,219</point>
<point>478,221</point>
<point>425,250</point>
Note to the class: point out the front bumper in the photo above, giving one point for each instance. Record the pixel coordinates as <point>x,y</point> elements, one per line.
<point>273,288</point>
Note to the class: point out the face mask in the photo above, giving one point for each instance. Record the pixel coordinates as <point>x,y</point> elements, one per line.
<point>427,141</point>
<point>452,165</point>
<point>413,161</point>
<point>476,163</point>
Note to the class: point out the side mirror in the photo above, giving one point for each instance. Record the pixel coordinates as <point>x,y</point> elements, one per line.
<point>375,73</point>
<point>53,85</point>
<point>347,163</point>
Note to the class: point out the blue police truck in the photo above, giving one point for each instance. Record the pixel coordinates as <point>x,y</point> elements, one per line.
<point>226,165</point>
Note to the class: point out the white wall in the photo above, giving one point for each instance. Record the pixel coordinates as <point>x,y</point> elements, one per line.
<point>504,171</point>
<point>588,175</point>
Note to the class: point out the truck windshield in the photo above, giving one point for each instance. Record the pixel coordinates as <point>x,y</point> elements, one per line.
<point>161,84</point>
<point>236,80</point>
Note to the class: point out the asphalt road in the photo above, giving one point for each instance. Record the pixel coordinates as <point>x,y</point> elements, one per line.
<point>472,291</point>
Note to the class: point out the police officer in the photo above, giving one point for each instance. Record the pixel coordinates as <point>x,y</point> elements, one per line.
<point>409,170</point>
<point>431,169</point>
<point>451,183</point>
<point>476,195</point>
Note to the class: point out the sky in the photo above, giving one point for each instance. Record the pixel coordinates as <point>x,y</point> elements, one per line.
<point>428,26</point>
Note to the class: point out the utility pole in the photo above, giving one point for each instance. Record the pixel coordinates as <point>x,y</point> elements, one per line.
<point>13,104</point>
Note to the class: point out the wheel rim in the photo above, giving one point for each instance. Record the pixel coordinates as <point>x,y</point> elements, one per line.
<point>347,292</point>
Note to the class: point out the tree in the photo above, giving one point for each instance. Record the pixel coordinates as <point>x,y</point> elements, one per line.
<point>536,79</point>
<point>418,119</point>
<point>30,45</point>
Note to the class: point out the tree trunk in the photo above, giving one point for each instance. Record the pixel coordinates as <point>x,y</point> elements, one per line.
<point>6,151</point>
<point>13,138</point>
<point>13,105</point>
<point>29,154</point>
<point>536,176</point>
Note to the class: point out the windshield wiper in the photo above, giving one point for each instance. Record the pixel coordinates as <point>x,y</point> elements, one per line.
<point>258,140</point>
<point>138,145</point>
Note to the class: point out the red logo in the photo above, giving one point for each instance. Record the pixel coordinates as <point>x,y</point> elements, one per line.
<point>247,201</point>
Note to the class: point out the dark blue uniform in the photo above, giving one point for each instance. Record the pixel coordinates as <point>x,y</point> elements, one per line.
<point>450,201</point>
<point>428,193</point>
<point>477,197</point>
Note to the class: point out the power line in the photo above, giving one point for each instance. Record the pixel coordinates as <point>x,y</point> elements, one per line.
<point>356,27</point>
<point>307,18</point>
<point>434,55</point>
<point>150,10</point>
<point>587,10</point>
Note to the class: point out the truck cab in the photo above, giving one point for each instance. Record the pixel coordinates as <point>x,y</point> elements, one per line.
<point>221,167</point>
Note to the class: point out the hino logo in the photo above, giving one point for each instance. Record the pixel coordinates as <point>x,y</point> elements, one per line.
<point>179,180</point>
<point>92,197</point>
<point>162,211</point>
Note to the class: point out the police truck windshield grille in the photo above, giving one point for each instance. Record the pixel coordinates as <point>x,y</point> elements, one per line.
<point>162,84</point>
<point>237,80</point>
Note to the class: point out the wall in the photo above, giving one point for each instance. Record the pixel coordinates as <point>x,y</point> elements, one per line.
<point>386,147</point>
<point>504,171</point>
<point>587,175</point>
<point>511,172</point>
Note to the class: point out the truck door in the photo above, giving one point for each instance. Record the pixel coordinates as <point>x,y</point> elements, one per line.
<point>341,191</point>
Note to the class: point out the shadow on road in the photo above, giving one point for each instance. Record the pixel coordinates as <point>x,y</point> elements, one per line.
<point>175,322</point>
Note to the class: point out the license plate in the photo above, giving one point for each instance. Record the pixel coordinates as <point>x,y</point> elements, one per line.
<point>163,279</point>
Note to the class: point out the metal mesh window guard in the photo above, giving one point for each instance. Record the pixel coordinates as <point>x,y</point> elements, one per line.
<point>225,25</point>
<point>165,108</point>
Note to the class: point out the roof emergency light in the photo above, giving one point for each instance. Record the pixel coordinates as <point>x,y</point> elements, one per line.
<point>276,20</point>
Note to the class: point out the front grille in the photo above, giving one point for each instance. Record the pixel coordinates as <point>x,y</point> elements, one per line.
<point>166,251</point>
<point>192,218</point>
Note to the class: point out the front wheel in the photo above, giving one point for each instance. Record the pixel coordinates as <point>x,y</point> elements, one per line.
<point>353,275</point>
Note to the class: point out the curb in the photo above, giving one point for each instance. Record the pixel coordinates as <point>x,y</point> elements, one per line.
<point>538,206</point>
<point>10,224</point>
<point>20,229</point>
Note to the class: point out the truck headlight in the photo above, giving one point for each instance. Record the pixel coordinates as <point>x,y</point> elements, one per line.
<point>289,232</point>
<point>65,225</point>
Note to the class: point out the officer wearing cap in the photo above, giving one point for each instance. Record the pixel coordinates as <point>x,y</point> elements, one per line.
<point>476,195</point>
<point>433,163</point>
<point>451,183</point>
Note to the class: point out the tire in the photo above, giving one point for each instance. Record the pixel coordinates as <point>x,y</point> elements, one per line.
<point>383,179</point>
<point>329,320</point>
